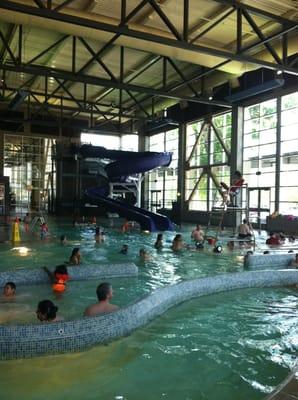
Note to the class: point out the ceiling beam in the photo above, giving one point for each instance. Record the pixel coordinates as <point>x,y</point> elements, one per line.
<point>77,77</point>
<point>126,31</point>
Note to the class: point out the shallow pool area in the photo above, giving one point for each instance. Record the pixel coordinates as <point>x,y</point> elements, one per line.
<point>241,343</point>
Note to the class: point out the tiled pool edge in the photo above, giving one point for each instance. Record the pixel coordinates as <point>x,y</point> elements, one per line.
<point>36,276</point>
<point>287,390</point>
<point>26,341</point>
<point>261,261</point>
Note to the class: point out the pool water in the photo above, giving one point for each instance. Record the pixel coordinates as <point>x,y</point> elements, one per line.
<point>239,344</point>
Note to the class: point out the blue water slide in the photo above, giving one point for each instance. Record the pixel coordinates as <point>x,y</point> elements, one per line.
<point>127,163</point>
<point>124,210</point>
<point>157,222</point>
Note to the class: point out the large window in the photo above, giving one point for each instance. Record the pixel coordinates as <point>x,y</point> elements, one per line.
<point>207,151</point>
<point>28,164</point>
<point>261,147</point>
<point>289,155</point>
<point>162,182</point>
<point>259,153</point>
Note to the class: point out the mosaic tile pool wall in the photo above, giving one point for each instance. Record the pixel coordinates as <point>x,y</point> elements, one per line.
<point>25,341</point>
<point>28,276</point>
<point>261,261</point>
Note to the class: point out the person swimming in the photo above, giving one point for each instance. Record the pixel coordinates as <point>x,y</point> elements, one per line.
<point>197,234</point>
<point>58,278</point>
<point>144,255</point>
<point>177,243</point>
<point>75,258</point>
<point>124,249</point>
<point>159,243</point>
<point>99,235</point>
<point>47,311</point>
<point>44,230</point>
<point>9,290</point>
<point>104,293</point>
<point>63,239</point>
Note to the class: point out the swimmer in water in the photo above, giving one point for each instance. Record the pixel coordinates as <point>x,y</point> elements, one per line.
<point>158,244</point>
<point>9,291</point>
<point>144,255</point>
<point>197,234</point>
<point>177,243</point>
<point>99,235</point>
<point>63,239</point>
<point>47,311</point>
<point>124,249</point>
<point>75,258</point>
<point>58,278</point>
<point>104,293</point>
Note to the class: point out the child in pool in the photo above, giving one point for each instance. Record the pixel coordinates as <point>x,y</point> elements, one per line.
<point>43,231</point>
<point>58,278</point>
<point>9,291</point>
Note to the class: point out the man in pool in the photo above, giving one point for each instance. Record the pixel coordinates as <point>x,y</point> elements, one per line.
<point>104,293</point>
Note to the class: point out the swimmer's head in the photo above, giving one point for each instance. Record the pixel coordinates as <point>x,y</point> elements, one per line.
<point>9,289</point>
<point>61,269</point>
<point>75,251</point>
<point>104,291</point>
<point>124,249</point>
<point>266,252</point>
<point>159,236</point>
<point>199,246</point>
<point>46,310</point>
<point>97,230</point>
<point>63,238</point>
<point>217,249</point>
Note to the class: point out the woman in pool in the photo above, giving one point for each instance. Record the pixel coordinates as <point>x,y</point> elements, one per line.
<point>158,244</point>
<point>47,311</point>
<point>75,258</point>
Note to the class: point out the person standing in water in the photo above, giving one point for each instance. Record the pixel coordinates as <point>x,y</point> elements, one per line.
<point>104,293</point>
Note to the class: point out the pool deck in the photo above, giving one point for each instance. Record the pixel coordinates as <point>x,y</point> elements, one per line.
<point>288,390</point>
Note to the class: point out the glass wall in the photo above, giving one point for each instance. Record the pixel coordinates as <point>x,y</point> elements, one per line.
<point>208,144</point>
<point>28,164</point>
<point>162,182</point>
<point>261,157</point>
<point>288,198</point>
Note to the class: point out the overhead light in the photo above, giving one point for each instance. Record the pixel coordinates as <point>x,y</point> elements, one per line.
<point>210,98</point>
<point>279,72</point>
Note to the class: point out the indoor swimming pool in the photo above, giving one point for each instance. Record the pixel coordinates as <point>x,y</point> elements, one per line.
<point>238,344</point>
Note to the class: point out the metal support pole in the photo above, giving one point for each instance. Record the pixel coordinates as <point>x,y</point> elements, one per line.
<point>185,20</point>
<point>236,150</point>
<point>181,170</point>
<point>278,153</point>
<point>74,48</point>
